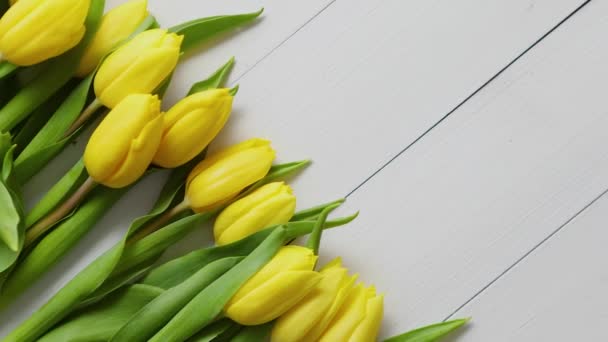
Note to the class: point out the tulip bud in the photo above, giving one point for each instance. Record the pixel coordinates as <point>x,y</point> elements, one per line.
<point>138,66</point>
<point>275,288</point>
<point>33,31</point>
<point>307,320</point>
<point>271,204</point>
<point>190,126</point>
<point>116,25</point>
<point>122,146</point>
<point>358,319</point>
<point>222,175</point>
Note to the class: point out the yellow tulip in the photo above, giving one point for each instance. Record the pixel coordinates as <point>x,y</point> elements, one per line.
<point>33,31</point>
<point>358,319</point>
<point>122,146</point>
<point>274,289</point>
<point>271,204</point>
<point>138,66</point>
<point>191,124</point>
<point>222,175</point>
<point>116,25</point>
<point>307,320</point>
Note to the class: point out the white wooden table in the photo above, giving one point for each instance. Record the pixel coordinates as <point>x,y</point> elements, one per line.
<point>471,134</point>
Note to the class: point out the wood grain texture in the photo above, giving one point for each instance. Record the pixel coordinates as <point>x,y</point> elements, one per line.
<point>489,183</point>
<point>351,89</point>
<point>558,293</point>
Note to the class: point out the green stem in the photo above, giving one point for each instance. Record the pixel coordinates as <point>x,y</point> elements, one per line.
<point>83,117</point>
<point>160,222</point>
<point>35,231</point>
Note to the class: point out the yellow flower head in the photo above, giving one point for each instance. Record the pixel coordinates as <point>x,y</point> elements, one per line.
<point>122,146</point>
<point>191,124</point>
<point>138,66</point>
<point>222,175</point>
<point>271,204</point>
<point>274,289</point>
<point>32,31</point>
<point>116,25</point>
<point>358,319</point>
<point>308,319</point>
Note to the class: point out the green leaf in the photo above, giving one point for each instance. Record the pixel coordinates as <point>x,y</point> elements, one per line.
<point>50,139</point>
<point>85,283</point>
<point>58,193</point>
<point>26,132</point>
<point>312,213</point>
<point>314,240</point>
<point>58,73</point>
<point>208,304</point>
<point>176,271</point>
<point>58,242</point>
<point>254,333</point>
<point>100,322</point>
<point>157,313</point>
<point>429,333</point>
<point>10,223</point>
<point>199,30</point>
<point>220,330</point>
<point>214,81</point>
<point>6,69</point>
<point>277,172</point>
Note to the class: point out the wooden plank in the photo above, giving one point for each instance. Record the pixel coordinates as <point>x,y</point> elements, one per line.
<point>350,89</point>
<point>489,183</point>
<point>558,293</point>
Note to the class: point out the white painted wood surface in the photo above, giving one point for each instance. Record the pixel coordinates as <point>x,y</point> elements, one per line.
<point>352,83</point>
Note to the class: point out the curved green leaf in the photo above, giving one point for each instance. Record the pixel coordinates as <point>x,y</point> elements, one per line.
<point>157,313</point>
<point>87,281</point>
<point>58,73</point>
<point>10,222</point>
<point>100,322</point>
<point>199,30</point>
<point>58,242</point>
<point>50,139</point>
<point>179,269</point>
<point>429,333</point>
<point>208,304</point>
<point>214,81</point>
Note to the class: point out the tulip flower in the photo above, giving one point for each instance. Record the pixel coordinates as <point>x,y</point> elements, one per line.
<point>358,319</point>
<point>271,204</point>
<point>190,126</point>
<point>32,31</point>
<point>138,66</point>
<point>122,146</point>
<point>116,25</point>
<point>308,319</point>
<point>279,285</point>
<point>222,175</point>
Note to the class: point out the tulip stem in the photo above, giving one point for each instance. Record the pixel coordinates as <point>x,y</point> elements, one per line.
<point>35,231</point>
<point>83,117</point>
<point>160,221</point>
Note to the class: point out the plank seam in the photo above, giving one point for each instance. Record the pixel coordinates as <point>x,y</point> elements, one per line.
<point>479,89</point>
<point>543,241</point>
<point>283,42</point>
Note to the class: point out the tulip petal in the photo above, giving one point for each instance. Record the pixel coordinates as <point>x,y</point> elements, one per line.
<point>294,325</point>
<point>369,327</point>
<point>273,298</point>
<point>348,317</point>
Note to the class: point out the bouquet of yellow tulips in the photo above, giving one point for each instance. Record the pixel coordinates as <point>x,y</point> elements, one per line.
<point>64,64</point>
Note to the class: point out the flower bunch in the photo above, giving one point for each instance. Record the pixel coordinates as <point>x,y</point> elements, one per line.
<point>64,63</point>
